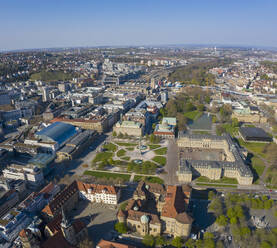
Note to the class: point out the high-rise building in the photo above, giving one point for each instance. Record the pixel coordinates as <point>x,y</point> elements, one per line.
<point>45,94</point>
<point>164,97</point>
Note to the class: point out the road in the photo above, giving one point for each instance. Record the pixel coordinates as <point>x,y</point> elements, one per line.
<point>171,166</point>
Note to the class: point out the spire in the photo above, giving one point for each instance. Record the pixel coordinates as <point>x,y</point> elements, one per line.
<point>65,220</point>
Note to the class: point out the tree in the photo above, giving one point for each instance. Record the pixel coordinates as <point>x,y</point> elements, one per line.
<point>201,107</point>
<point>209,243</point>
<point>211,195</point>
<point>177,242</point>
<point>152,138</point>
<point>222,220</point>
<point>219,244</point>
<point>190,243</point>
<point>233,220</point>
<point>266,244</point>
<point>121,227</point>
<point>189,107</point>
<point>216,207</point>
<point>114,134</point>
<point>148,240</point>
<point>160,240</point>
<point>182,121</point>
<point>208,235</point>
<point>86,243</point>
<point>235,122</point>
<point>220,130</point>
<point>207,99</point>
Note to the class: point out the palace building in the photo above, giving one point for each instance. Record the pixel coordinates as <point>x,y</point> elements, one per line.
<point>220,157</point>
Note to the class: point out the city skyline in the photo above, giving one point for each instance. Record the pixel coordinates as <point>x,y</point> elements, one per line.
<point>107,23</point>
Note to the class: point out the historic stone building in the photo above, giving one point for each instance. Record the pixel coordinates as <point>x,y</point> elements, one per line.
<point>168,213</point>
<point>230,165</point>
<point>59,232</point>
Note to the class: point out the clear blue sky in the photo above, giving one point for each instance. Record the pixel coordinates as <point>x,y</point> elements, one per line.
<point>59,23</point>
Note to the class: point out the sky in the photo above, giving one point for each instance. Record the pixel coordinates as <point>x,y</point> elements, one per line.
<point>70,23</point>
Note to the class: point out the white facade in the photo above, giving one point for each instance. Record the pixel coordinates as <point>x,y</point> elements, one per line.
<point>32,175</point>
<point>102,197</point>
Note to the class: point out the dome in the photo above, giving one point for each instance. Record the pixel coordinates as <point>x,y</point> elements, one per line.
<point>144,219</point>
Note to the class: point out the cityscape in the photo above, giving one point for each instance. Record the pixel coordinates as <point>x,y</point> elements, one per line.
<point>109,144</point>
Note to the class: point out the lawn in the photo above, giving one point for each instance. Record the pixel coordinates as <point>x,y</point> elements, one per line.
<point>125,144</point>
<point>102,156</point>
<point>149,179</point>
<point>161,151</point>
<point>152,146</point>
<point>160,160</point>
<point>216,185</point>
<point>126,158</point>
<point>110,147</point>
<point>130,148</point>
<point>229,129</point>
<point>99,174</point>
<point>255,147</point>
<point>258,165</point>
<point>193,115</point>
<point>121,153</point>
<point>222,180</point>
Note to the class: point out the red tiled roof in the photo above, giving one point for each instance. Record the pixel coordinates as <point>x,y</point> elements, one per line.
<point>56,241</point>
<point>60,199</point>
<point>97,188</point>
<point>175,201</point>
<point>109,244</point>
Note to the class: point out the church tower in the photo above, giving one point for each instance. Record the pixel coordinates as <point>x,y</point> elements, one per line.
<point>68,230</point>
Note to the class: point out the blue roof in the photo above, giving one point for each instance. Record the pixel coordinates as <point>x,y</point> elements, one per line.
<point>58,132</point>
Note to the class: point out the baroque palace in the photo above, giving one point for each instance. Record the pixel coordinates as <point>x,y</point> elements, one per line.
<point>230,161</point>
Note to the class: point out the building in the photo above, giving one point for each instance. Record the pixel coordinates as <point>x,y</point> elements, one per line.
<point>52,137</point>
<point>76,145</point>
<point>36,201</point>
<point>45,94</point>
<point>254,134</point>
<point>67,199</point>
<point>60,232</point>
<point>8,200</point>
<point>13,223</point>
<point>99,193</point>
<point>164,97</point>
<point>112,244</point>
<point>130,128</point>
<point>64,87</point>
<point>44,162</point>
<point>167,128</point>
<point>226,158</point>
<point>32,175</point>
<point>168,214</point>
<point>70,196</point>
<point>4,98</point>
<point>57,132</point>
